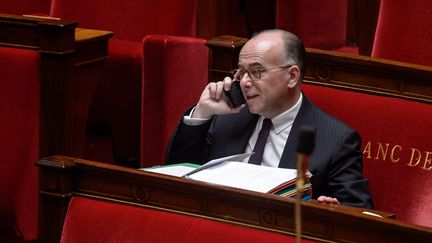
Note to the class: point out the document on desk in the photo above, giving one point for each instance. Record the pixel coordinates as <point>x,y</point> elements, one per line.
<point>232,171</point>
<point>246,176</point>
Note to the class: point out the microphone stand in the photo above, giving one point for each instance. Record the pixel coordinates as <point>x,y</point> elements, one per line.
<point>301,161</point>
<point>305,145</point>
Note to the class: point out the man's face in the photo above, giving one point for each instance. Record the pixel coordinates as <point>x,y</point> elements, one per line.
<point>267,96</point>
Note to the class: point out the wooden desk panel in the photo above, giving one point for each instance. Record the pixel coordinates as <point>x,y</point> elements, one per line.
<point>335,69</point>
<point>61,177</point>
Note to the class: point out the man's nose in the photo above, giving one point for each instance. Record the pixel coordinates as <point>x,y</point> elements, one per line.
<point>246,81</point>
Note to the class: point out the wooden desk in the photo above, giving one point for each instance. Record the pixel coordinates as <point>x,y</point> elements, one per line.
<point>71,62</point>
<point>62,177</point>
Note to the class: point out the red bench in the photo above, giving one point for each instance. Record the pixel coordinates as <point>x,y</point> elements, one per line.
<point>90,220</point>
<point>47,71</point>
<point>19,140</point>
<point>397,152</point>
<point>129,205</point>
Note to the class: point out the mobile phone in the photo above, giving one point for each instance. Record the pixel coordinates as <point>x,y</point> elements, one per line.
<point>235,95</point>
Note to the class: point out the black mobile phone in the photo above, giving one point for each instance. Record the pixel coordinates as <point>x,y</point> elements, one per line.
<point>235,95</point>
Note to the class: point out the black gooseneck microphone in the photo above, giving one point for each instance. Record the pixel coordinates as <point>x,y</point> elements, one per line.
<point>305,146</point>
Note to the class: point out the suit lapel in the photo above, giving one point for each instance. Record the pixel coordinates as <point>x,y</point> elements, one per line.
<point>244,127</point>
<point>237,133</point>
<point>304,117</point>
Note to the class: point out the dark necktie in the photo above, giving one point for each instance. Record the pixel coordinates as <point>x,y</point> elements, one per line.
<point>258,150</point>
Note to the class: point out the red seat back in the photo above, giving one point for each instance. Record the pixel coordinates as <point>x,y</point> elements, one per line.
<point>404,31</point>
<point>89,220</point>
<point>19,140</point>
<point>175,71</point>
<point>131,20</point>
<point>397,156</point>
<point>320,24</point>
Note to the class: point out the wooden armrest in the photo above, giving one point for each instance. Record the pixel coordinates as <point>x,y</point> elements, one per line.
<point>354,210</point>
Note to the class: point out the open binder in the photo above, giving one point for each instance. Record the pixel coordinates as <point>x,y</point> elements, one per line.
<point>231,171</point>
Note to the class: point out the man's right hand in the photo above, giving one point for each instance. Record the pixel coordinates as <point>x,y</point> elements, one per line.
<point>213,101</point>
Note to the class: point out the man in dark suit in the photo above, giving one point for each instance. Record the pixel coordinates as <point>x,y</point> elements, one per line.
<point>270,74</point>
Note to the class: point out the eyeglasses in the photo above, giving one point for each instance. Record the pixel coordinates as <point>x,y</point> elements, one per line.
<point>254,74</point>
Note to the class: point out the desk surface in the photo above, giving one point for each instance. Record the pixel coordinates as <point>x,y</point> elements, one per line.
<point>90,34</point>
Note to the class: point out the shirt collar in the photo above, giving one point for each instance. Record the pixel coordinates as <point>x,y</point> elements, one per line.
<point>286,119</point>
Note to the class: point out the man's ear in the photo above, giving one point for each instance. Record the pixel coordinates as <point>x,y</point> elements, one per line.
<point>293,76</point>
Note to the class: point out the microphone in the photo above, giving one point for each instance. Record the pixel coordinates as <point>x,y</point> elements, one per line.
<point>305,146</point>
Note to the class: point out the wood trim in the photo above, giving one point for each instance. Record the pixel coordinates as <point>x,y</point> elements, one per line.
<point>224,52</point>
<point>370,75</point>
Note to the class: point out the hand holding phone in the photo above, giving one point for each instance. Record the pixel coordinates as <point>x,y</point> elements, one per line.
<point>235,95</point>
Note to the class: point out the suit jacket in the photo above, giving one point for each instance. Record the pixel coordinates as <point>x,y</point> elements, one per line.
<point>335,163</point>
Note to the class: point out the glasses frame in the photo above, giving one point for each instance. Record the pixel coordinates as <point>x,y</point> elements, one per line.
<point>259,72</point>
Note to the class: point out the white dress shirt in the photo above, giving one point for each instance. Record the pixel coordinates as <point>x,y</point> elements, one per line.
<point>277,137</point>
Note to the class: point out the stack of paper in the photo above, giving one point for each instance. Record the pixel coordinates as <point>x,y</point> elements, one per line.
<point>229,171</point>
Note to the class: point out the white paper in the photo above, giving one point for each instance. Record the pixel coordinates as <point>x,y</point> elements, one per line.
<point>215,162</point>
<point>245,176</point>
<point>174,170</point>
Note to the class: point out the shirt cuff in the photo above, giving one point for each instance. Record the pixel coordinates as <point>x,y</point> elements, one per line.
<point>192,121</point>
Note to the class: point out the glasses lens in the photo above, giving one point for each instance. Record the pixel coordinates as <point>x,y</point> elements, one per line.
<point>255,74</point>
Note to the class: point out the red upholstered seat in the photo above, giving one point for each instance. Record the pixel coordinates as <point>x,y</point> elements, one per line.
<point>175,70</point>
<point>19,142</point>
<point>404,31</point>
<point>95,221</point>
<point>320,24</point>
<point>117,100</point>
<point>397,152</point>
